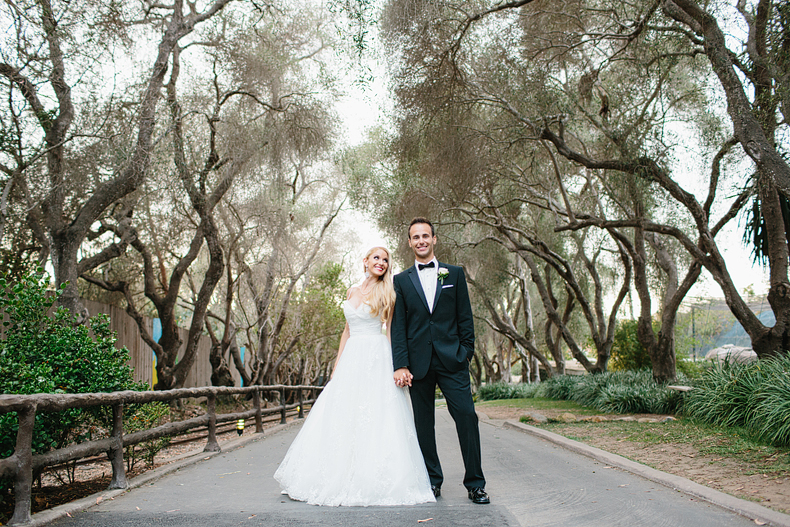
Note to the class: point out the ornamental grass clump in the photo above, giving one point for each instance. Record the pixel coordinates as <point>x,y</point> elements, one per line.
<point>623,399</point>
<point>639,399</point>
<point>559,387</point>
<point>754,396</point>
<point>504,390</point>
<point>591,388</point>
<point>771,421</point>
<point>617,392</point>
<point>723,394</point>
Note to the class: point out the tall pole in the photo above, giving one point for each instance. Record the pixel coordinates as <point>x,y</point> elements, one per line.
<point>693,335</point>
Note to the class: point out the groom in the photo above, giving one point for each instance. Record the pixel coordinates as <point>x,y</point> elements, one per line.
<point>433,340</point>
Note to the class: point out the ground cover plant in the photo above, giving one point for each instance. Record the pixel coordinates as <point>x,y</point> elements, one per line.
<point>612,392</point>
<point>754,396</point>
<point>505,390</point>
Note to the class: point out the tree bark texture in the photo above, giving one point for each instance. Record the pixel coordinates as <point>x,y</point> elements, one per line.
<point>68,230</point>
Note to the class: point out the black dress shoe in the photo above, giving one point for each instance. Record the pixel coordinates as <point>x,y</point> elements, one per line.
<point>437,491</point>
<point>478,495</point>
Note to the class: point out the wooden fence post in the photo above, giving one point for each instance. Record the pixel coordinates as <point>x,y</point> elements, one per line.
<point>256,400</point>
<point>24,473</point>
<point>282,410</point>
<point>116,454</point>
<point>211,444</point>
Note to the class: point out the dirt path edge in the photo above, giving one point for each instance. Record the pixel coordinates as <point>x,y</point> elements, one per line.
<point>745,508</point>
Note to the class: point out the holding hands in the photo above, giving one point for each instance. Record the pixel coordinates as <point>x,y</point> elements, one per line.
<point>402,377</point>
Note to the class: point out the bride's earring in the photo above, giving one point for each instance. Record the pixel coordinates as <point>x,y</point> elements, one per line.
<point>367,273</point>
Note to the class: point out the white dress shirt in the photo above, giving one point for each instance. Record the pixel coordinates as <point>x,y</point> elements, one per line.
<point>428,278</point>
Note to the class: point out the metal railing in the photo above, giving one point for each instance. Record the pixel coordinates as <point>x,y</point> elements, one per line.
<point>22,463</point>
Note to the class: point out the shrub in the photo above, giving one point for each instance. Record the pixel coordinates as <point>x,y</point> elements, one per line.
<point>588,389</point>
<point>559,387</point>
<point>503,390</point>
<point>771,417</point>
<point>755,396</point>
<point>722,395</point>
<point>144,417</point>
<point>627,352</point>
<point>640,398</point>
<point>623,399</point>
<point>43,353</point>
<point>617,392</point>
<point>689,368</point>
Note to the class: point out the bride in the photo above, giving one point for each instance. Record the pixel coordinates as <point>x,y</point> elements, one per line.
<point>358,445</point>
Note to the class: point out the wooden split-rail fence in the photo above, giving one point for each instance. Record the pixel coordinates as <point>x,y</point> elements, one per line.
<point>22,464</point>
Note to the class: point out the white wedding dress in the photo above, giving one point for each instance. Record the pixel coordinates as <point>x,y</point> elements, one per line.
<point>358,445</point>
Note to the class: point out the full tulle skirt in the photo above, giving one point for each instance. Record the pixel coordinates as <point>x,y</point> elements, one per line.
<point>358,445</point>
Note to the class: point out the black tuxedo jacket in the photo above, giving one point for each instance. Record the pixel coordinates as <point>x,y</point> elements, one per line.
<point>417,332</point>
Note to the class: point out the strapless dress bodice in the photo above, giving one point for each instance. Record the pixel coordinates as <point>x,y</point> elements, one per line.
<point>360,321</point>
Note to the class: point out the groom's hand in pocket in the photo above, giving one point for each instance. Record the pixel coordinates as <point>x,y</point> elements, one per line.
<point>402,377</point>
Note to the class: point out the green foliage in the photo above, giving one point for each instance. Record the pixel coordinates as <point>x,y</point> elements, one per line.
<point>559,387</point>
<point>319,308</point>
<point>613,392</point>
<point>49,353</point>
<point>639,398</point>
<point>627,352</point>
<point>315,322</point>
<point>689,368</point>
<point>15,264</point>
<point>722,395</point>
<point>616,392</point>
<point>587,390</point>
<point>755,232</point>
<point>355,24</point>
<point>144,417</point>
<point>503,390</point>
<point>754,396</point>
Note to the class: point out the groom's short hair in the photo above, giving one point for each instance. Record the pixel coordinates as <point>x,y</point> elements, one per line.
<point>420,219</point>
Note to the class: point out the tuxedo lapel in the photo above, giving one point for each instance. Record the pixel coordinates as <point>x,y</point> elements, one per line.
<point>415,280</point>
<point>438,287</point>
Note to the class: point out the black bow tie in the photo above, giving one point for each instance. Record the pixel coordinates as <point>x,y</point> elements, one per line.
<point>420,267</point>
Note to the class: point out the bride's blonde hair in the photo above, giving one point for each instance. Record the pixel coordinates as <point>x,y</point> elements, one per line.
<point>381,298</point>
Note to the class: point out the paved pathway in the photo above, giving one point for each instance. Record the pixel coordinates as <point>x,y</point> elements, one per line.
<point>532,482</point>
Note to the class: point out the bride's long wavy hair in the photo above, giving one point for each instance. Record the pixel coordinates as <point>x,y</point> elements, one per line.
<point>381,298</point>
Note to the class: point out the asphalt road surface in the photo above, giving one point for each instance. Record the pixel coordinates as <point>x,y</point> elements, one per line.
<point>531,482</point>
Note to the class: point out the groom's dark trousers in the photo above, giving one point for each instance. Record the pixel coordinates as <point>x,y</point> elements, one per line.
<point>436,346</point>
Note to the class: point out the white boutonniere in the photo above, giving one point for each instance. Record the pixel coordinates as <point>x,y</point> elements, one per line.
<point>443,273</point>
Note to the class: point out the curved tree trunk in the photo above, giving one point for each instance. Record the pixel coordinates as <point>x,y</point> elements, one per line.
<point>777,339</point>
